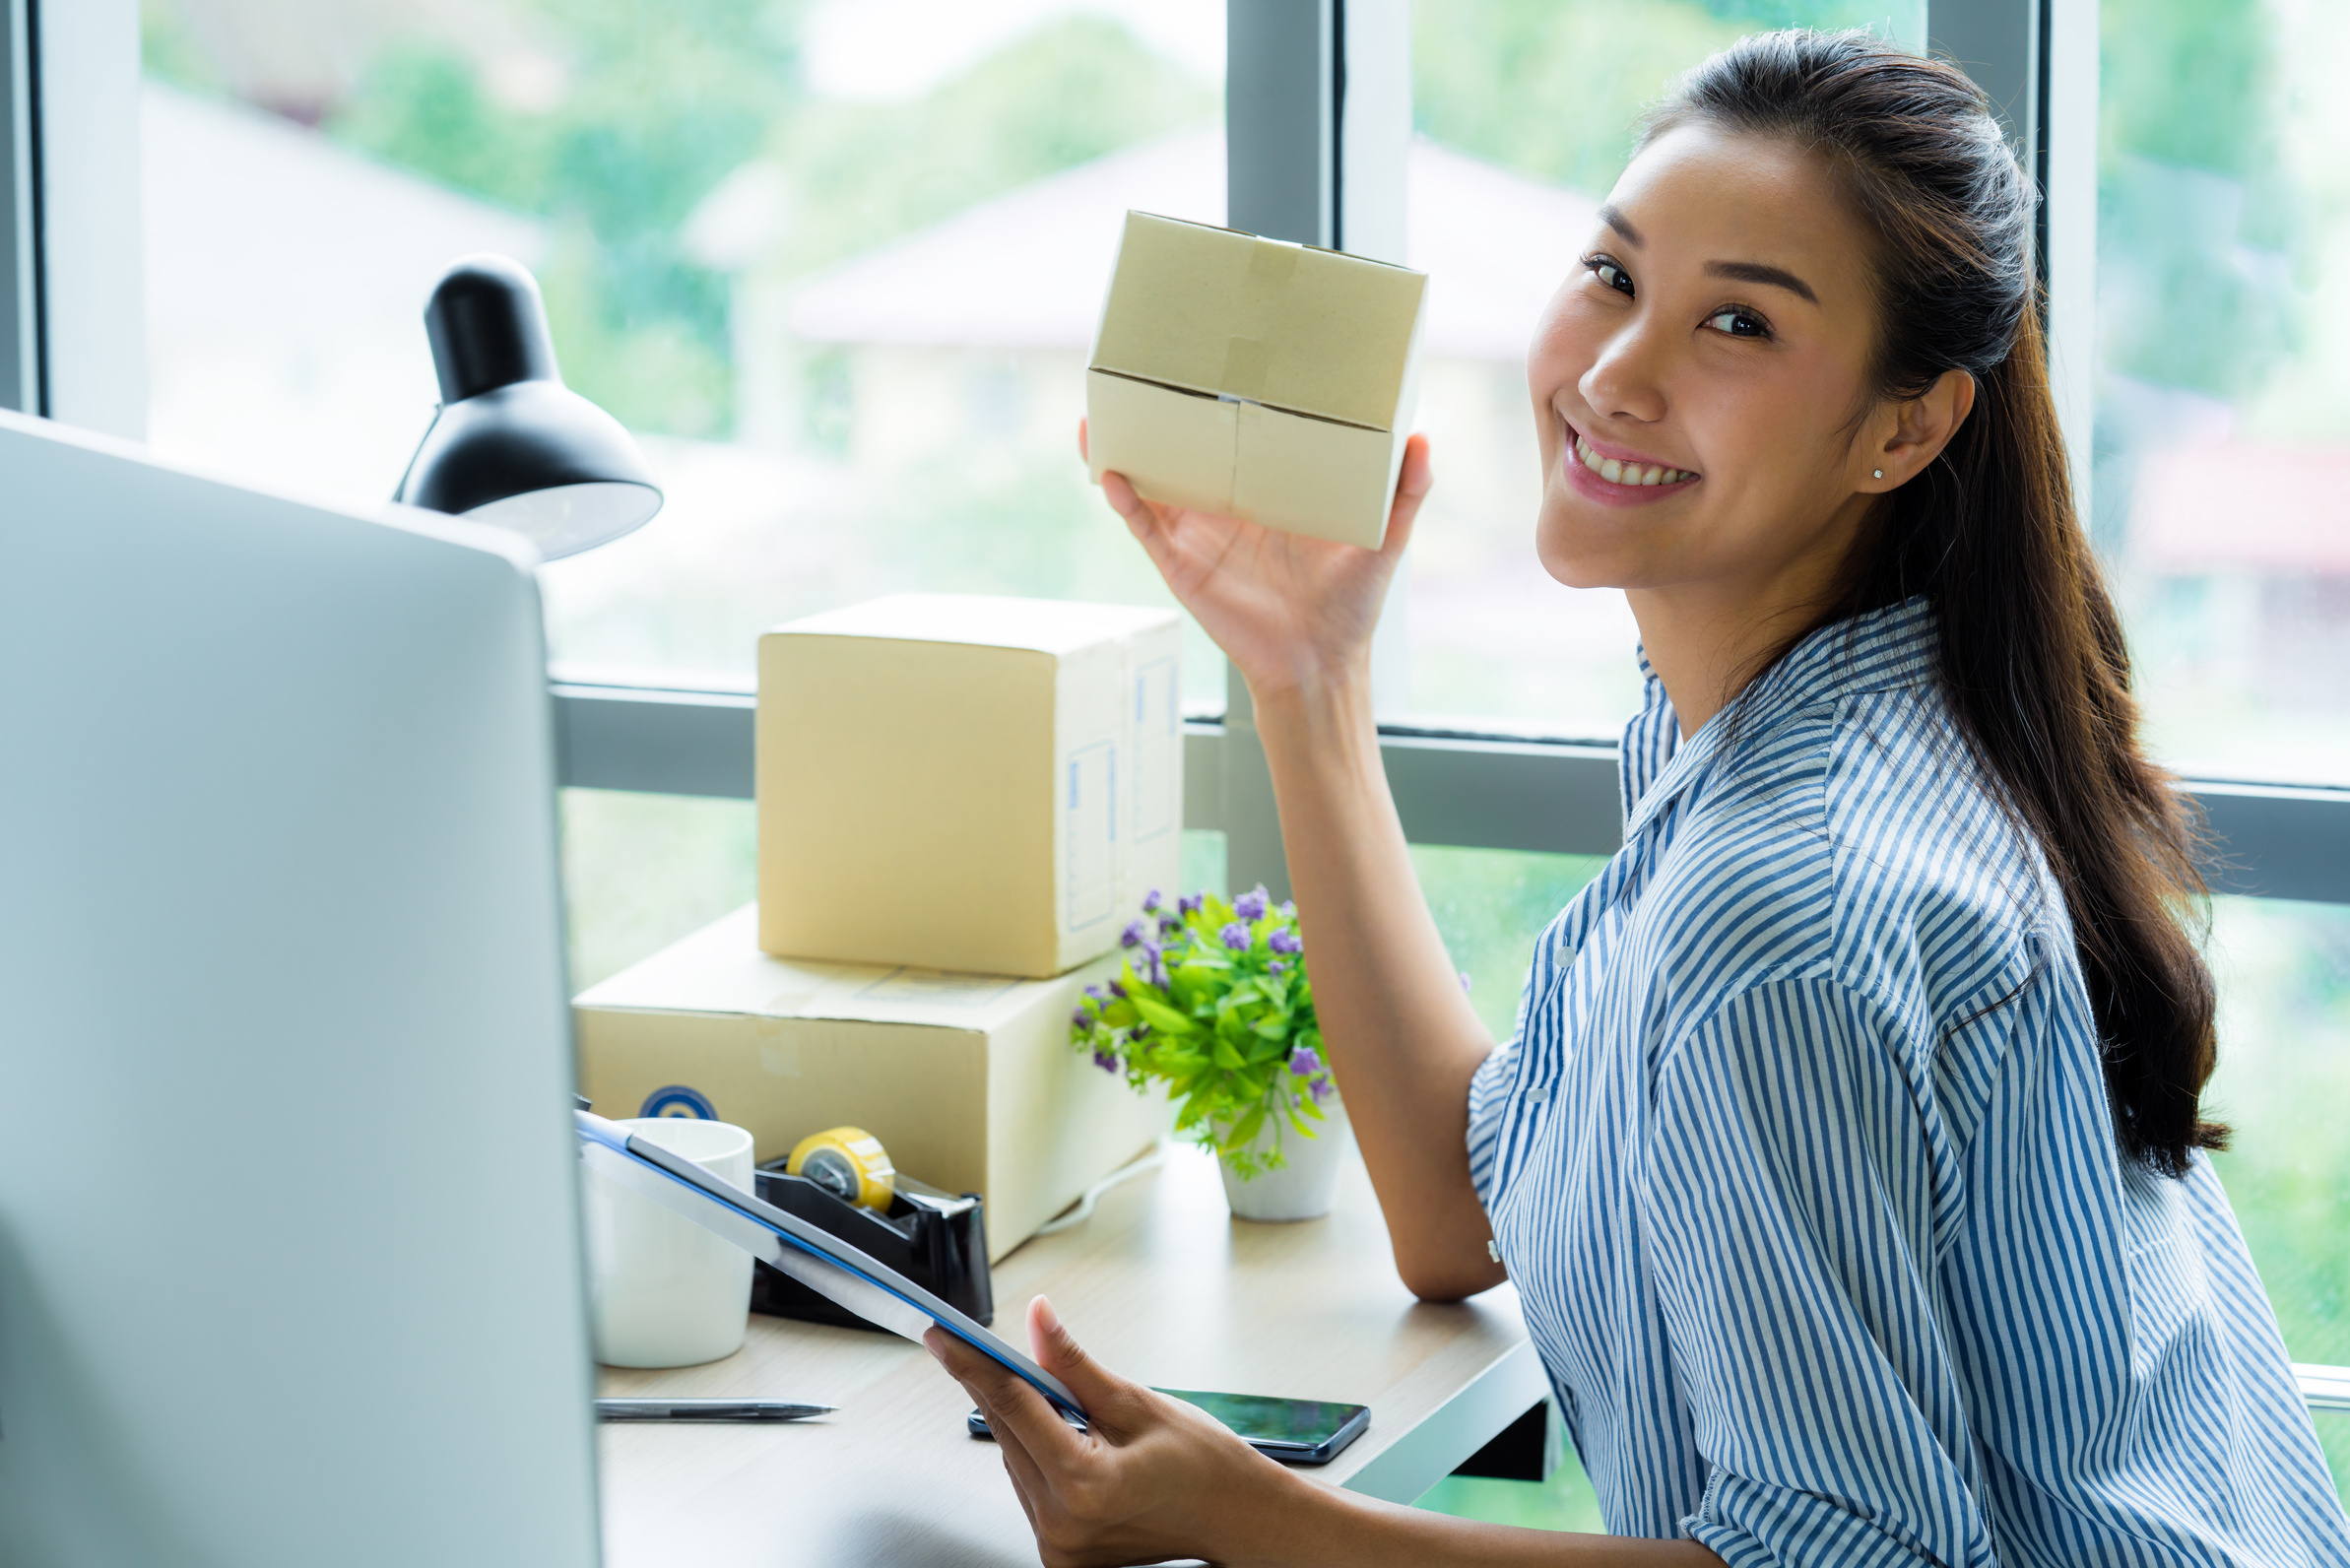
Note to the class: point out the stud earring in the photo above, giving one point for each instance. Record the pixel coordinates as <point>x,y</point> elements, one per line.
<point>1877,474</point>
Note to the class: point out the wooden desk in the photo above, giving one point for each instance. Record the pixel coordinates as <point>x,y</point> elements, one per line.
<point>1161,1284</point>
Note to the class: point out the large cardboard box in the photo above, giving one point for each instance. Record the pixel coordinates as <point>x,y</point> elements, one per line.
<point>965,783</point>
<point>969,1080</point>
<point>1256,378</point>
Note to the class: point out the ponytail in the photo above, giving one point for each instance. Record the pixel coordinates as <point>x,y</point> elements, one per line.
<point>2033,661</point>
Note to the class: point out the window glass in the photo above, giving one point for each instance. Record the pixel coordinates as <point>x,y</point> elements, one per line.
<point>2284,1076</point>
<point>2222,483</point>
<point>1523,113</point>
<point>835,262</point>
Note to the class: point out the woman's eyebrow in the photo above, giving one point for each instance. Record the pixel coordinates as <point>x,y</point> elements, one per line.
<point>1614,216</point>
<point>1756,272</point>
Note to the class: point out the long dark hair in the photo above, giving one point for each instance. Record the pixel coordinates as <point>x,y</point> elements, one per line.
<point>2033,660</point>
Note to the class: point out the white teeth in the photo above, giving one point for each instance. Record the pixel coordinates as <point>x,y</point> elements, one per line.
<point>1619,473</point>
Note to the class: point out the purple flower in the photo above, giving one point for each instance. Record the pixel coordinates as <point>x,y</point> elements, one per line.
<point>1118,990</point>
<point>1168,925</point>
<point>1105,1060</point>
<point>1464,982</point>
<point>1321,1088</point>
<point>1190,903</point>
<point>1081,1018</point>
<point>1277,966</point>
<point>1289,909</point>
<point>1138,1031</point>
<point>1252,904</point>
<point>1150,900</point>
<point>1235,937</point>
<point>1130,934</point>
<point>1305,1061</point>
<point>1286,941</point>
<point>1095,991</point>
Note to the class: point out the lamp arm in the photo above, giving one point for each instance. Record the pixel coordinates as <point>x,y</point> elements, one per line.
<point>400,491</point>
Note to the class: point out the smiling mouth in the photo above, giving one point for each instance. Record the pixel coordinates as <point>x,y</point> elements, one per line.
<point>1619,473</point>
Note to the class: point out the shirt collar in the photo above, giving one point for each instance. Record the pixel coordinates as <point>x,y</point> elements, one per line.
<point>1874,651</point>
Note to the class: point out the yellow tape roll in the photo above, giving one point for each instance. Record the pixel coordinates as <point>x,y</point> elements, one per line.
<point>848,1162</point>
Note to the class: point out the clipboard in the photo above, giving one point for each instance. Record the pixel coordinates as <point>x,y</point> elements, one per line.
<point>816,1258</point>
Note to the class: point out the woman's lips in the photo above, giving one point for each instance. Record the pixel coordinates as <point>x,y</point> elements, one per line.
<point>1619,481</point>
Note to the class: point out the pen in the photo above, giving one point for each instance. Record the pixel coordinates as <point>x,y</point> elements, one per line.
<point>706,1410</point>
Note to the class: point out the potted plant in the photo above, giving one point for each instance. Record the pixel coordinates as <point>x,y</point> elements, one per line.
<point>1214,1002</point>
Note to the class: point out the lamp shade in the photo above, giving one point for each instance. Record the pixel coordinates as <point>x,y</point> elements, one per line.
<point>511,445</point>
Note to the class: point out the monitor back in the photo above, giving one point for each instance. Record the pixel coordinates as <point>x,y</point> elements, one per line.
<point>289,1258</point>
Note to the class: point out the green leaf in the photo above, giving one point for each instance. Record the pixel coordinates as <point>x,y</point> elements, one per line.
<point>1136,986</point>
<point>1163,1016</point>
<point>1272,1025</point>
<point>1249,1127</point>
<point>1225,1056</point>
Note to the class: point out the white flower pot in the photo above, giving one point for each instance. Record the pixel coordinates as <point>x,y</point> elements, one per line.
<point>1306,1184</point>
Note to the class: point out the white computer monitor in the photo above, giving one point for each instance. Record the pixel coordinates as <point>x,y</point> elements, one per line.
<point>289,1257</point>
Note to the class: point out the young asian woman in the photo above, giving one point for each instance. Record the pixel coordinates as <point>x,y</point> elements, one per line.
<point>1848,1156</point>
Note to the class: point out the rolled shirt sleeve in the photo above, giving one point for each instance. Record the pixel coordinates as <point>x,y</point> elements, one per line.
<point>1790,1200</point>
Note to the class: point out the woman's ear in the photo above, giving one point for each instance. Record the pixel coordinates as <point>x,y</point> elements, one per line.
<point>1921,428</point>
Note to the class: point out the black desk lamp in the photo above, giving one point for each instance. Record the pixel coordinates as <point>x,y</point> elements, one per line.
<point>510,444</point>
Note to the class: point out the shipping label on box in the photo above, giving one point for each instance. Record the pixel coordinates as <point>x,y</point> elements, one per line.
<point>967,783</point>
<point>969,1081</point>
<point>1256,378</point>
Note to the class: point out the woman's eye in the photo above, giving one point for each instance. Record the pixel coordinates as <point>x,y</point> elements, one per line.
<point>1609,273</point>
<point>1739,323</point>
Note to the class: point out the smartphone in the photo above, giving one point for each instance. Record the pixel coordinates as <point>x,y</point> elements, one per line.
<point>1293,1431</point>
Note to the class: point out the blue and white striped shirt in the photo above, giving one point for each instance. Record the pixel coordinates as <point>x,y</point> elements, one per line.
<point>1803,1165</point>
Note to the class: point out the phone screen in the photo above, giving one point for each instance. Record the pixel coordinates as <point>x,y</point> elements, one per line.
<point>1293,1431</point>
<point>1309,1423</point>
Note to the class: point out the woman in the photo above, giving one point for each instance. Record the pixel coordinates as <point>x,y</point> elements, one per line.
<point>1848,1158</point>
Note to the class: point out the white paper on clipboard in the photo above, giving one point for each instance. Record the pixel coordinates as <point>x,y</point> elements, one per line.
<point>818,1260</point>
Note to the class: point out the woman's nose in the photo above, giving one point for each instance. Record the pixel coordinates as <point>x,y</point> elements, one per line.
<point>1624,381</point>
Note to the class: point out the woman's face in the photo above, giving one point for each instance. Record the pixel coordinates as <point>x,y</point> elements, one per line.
<point>1709,353</point>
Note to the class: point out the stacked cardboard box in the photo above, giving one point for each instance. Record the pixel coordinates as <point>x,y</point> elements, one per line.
<point>962,801</point>
<point>1256,378</point>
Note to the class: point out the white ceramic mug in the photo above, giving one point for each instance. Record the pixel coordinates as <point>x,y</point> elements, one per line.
<point>663,1291</point>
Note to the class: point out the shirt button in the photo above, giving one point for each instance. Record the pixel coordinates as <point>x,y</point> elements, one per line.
<point>1537,1092</point>
<point>1493,1249</point>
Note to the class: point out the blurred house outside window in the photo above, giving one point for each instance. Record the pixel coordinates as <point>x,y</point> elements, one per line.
<point>834,261</point>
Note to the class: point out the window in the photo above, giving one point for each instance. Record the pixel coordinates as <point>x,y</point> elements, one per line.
<point>837,263</point>
<point>2222,488</point>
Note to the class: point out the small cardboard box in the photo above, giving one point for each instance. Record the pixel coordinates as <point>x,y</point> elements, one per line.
<point>963,783</point>
<point>1256,378</point>
<point>969,1081</point>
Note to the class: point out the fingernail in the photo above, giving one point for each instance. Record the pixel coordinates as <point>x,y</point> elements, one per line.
<point>1046,1318</point>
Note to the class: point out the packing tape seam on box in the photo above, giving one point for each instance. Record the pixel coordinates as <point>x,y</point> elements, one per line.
<point>1226,397</point>
<point>1272,261</point>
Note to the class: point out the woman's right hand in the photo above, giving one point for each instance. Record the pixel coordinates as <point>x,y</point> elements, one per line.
<point>1288,610</point>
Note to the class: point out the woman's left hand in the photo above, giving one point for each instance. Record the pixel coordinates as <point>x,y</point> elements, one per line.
<point>1150,1478</point>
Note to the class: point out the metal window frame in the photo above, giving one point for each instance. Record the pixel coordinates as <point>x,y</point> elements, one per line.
<point>73,297</point>
<point>21,360</point>
<point>1549,794</point>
